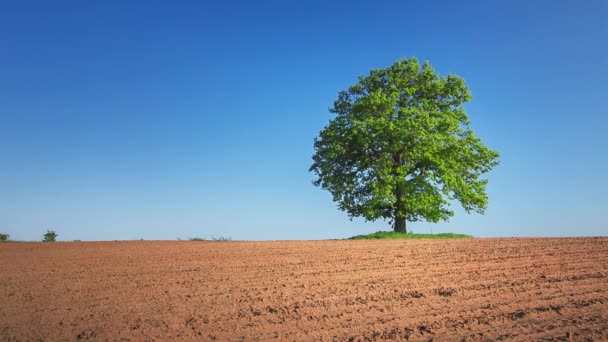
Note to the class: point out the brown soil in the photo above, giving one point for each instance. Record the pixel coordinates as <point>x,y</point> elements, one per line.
<point>474,289</point>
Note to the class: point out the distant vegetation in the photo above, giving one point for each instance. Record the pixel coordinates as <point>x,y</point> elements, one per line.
<point>221,238</point>
<point>213,238</point>
<point>50,236</point>
<point>4,237</point>
<point>396,235</point>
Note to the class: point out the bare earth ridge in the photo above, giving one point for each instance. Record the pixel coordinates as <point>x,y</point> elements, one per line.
<point>471,289</point>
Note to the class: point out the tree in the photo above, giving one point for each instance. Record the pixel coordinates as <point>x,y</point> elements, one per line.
<point>50,236</point>
<point>400,147</point>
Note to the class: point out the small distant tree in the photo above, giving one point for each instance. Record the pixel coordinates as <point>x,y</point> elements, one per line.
<point>50,236</point>
<point>4,237</point>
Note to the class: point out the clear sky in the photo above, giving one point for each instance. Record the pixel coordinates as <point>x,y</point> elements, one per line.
<point>159,120</point>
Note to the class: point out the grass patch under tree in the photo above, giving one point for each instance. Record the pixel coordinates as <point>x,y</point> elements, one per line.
<point>396,235</point>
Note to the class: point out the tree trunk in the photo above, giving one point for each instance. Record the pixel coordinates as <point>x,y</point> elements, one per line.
<point>400,196</point>
<point>399,214</point>
<point>400,225</point>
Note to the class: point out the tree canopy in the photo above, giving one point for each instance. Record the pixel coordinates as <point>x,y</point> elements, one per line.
<point>400,147</point>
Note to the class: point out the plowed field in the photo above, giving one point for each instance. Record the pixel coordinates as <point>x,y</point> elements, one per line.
<point>472,289</point>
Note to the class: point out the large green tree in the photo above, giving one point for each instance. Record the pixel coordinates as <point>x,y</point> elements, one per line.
<point>400,147</point>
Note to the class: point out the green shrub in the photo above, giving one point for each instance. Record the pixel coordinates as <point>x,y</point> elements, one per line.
<point>196,239</point>
<point>4,237</point>
<point>50,236</point>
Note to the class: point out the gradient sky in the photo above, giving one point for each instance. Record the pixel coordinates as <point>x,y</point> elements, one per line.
<point>159,120</point>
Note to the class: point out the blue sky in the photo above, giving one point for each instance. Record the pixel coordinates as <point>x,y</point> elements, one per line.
<point>158,120</point>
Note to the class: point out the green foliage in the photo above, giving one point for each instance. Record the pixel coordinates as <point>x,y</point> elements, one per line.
<point>4,237</point>
<point>397,235</point>
<point>50,236</point>
<point>400,147</point>
<point>196,239</point>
